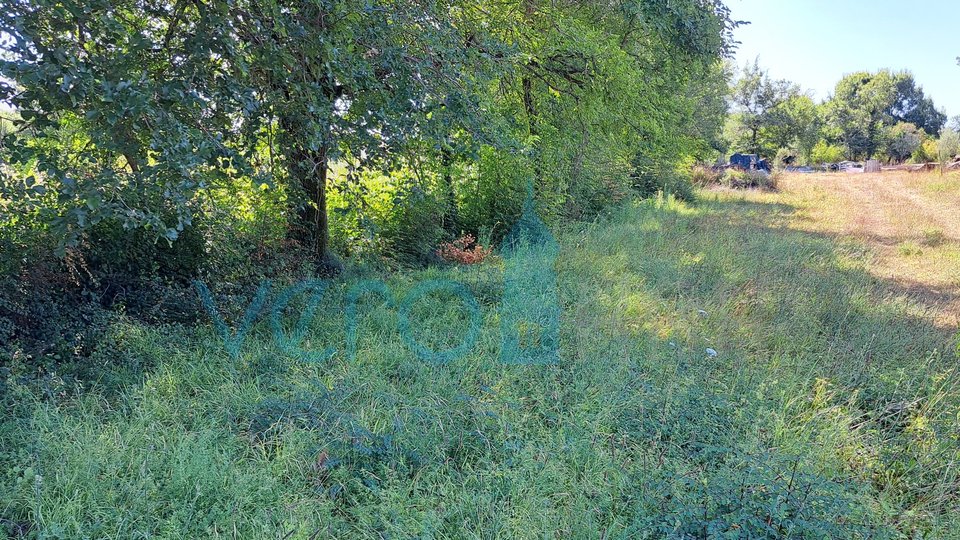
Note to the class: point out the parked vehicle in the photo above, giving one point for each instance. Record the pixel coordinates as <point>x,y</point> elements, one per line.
<point>749,162</point>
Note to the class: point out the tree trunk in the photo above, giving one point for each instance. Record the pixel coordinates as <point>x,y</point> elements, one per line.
<point>312,226</point>
<point>529,106</point>
<point>450,216</point>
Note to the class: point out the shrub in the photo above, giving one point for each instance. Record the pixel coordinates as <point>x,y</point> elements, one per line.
<point>49,323</point>
<point>825,152</point>
<point>733,178</point>
<point>783,155</point>
<point>703,176</point>
<point>909,248</point>
<point>666,181</point>
<point>933,237</point>
<point>497,190</point>
<point>948,146</point>
<point>411,230</point>
<point>740,179</point>
<point>463,250</point>
<point>768,182</point>
<point>927,152</point>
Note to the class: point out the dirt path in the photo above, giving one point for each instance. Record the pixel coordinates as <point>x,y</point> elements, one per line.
<point>910,222</point>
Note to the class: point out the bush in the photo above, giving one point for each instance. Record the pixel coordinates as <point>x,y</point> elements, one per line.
<point>928,152</point>
<point>948,145</point>
<point>412,230</point>
<point>703,176</point>
<point>497,190</point>
<point>667,182</point>
<point>464,250</point>
<point>740,179</point>
<point>824,152</point>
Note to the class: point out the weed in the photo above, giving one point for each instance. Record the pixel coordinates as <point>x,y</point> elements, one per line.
<point>909,248</point>
<point>463,250</point>
<point>933,237</point>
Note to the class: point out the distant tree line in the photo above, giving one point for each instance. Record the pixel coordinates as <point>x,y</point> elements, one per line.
<point>883,115</point>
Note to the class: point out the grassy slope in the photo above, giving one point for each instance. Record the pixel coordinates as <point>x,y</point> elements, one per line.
<point>830,411</point>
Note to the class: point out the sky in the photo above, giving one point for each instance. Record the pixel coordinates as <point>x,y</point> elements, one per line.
<point>816,42</point>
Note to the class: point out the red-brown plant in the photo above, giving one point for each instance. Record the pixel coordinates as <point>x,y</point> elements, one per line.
<point>463,250</point>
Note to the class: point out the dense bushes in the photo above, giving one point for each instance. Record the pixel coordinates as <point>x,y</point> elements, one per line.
<point>667,182</point>
<point>733,177</point>
<point>703,176</point>
<point>736,178</point>
<point>455,118</point>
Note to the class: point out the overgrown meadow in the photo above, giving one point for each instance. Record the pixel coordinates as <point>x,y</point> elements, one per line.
<point>827,411</point>
<point>729,360</point>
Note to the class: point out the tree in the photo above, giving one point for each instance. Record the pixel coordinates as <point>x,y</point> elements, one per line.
<point>859,110</point>
<point>137,108</point>
<point>901,141</point>
<point>119,104</point>
<point>911,105</point>
<point>864,104</point>
<point>948,146</point>
<point>370,78</point>
<point>170,98</point>
<point>757,101</point>
<point>795,124</point>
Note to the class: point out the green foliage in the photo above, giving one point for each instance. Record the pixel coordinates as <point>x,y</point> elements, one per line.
<point>190,97</point>
<point>901,141</point>
<point>825,152</point>
<point>867,114</point>
<point>926,152</point>
<point>860,109</point>
<point>666,183</point>
<point>948,146</point>
<point>411,230</point>
<point>799,127</point>
<point>769,114</point>
<point>780,160</point>
<point>912,106</point>
<point>139,114</point>
<point>865,105</point>
<point>702,176</point>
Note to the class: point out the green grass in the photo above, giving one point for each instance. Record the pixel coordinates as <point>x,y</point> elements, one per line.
<point>829,411</point>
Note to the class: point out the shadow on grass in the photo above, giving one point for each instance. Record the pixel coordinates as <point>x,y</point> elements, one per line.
<point>804,424</point>
<point>821,368</point>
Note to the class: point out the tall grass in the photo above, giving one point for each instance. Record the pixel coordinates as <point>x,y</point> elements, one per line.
<point>828,411</point>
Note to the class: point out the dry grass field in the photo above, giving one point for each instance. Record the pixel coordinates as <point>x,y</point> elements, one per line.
<point>910,224</point>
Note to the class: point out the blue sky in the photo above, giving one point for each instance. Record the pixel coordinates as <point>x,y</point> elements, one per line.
<point>815,42</point>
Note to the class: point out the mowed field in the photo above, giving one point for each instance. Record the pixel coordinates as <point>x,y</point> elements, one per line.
<point>754,365</point>
<point>910,223</point>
